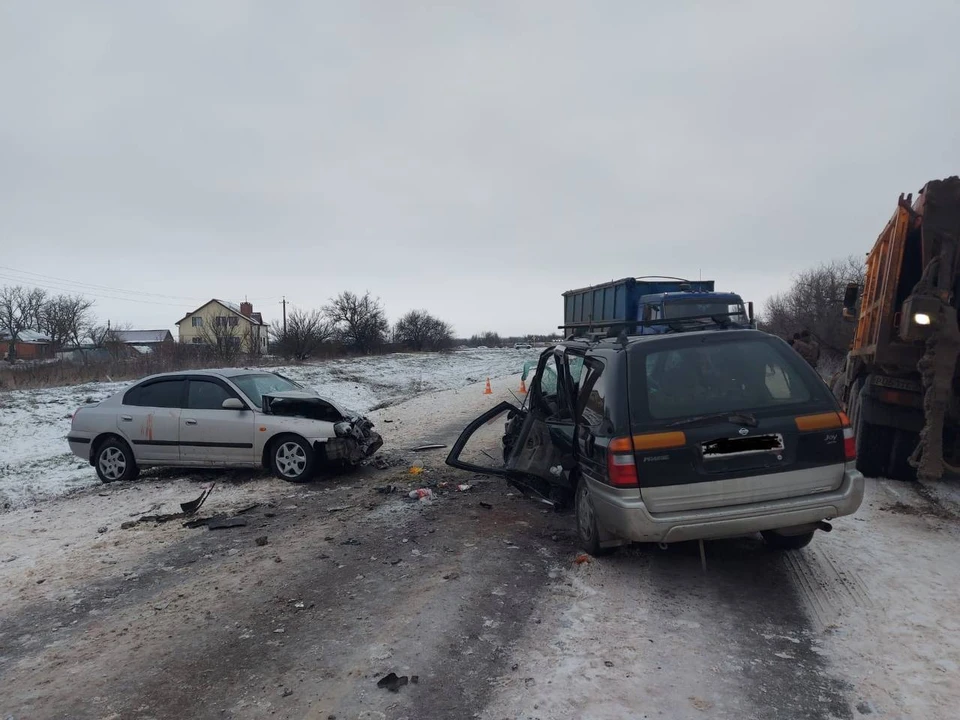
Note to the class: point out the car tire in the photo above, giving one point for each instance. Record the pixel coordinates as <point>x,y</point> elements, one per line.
<point>776,541</point>
<point>291,459</point>
<point>588,532</point>
<point>115,462</point>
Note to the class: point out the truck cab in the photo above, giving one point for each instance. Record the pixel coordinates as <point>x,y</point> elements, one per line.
<point>690,310</point>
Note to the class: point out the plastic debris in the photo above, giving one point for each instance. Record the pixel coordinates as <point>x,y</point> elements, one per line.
<point>464,488</point>
<point>582,558</point>
<point>393,683</point>
<point>416,470</point>
<point>421,494</point>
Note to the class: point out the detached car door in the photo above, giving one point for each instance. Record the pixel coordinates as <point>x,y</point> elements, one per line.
<point>149,419</point>
<point>211,434</point>
<point>537,447</point>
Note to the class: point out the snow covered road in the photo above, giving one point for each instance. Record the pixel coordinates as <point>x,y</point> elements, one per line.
<point>484,602</point>
<point>863,622</point>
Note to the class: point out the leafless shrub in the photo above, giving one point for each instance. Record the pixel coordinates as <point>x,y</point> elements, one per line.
<point>419,330</point>
<point>814,302</point>
<point>305,334</point>
<point>361,323</point>
<point>20,309</point>
<point>65,319</point>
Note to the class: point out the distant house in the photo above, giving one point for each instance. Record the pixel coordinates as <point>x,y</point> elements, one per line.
<point>145,341</point>
<point>29,345</point>
<point>218,322</point>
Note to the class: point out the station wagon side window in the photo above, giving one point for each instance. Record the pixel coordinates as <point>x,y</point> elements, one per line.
<point>162,394</point>
<point>548,378</point>
<point>591,397</point>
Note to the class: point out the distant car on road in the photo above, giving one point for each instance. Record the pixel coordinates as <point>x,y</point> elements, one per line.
<point>219,418</point>
<point>522,346</point>
<point>677,436</point>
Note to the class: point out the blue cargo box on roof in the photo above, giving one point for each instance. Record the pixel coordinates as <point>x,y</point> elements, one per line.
<point>622,303</point>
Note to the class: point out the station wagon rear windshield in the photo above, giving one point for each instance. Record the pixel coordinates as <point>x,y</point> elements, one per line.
<point>256,386</point>
<point>718,375</point>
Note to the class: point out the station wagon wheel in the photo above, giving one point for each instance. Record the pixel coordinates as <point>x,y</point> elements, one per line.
<point>292,459</point>
<point>115,462</point>
<point>587,531</point>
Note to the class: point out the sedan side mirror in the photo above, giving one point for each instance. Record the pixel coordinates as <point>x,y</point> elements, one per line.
<point>233,404</point>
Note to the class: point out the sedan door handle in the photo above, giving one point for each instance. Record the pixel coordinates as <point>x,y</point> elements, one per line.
<point>126,418</point>
<point>189,422</point>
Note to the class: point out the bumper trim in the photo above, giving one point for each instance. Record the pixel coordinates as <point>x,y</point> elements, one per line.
<point>622,513</point>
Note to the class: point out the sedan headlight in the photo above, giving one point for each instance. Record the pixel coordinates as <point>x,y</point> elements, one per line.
<point>921,318</point>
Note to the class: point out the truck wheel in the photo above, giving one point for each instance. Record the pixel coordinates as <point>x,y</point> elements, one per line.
<point>902,447</point>
<point>873,441</point>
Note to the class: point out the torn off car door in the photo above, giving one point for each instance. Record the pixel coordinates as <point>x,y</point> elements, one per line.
<point>538,446</point>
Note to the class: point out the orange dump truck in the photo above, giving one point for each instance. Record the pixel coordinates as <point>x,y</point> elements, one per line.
<point>900,383</point>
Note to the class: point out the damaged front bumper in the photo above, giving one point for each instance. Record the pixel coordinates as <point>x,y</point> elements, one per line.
<point>355,441</point>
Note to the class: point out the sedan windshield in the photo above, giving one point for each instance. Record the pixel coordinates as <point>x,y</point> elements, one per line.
<point>256,386</point>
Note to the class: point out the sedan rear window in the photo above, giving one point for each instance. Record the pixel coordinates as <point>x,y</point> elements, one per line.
<point>718,377</point>
<point>161,393</point>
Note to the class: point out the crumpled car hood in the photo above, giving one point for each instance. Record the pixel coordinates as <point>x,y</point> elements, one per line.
<point>307,396</point>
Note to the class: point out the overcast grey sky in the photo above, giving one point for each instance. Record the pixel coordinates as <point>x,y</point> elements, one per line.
<point>474,159</point>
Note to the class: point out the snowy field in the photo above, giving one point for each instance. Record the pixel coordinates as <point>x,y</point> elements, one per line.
<point>35,462</point>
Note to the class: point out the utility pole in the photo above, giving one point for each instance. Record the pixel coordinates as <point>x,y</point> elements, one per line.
<point>284,303</point>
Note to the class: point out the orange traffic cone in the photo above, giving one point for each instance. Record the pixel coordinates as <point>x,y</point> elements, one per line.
<point>523,387</point>
<point>488,390</point>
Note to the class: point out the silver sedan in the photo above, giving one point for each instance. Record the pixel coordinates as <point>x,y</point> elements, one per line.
<point>219,418</point>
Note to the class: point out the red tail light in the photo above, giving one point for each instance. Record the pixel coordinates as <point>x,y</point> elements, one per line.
<point>849,444</point>
<point>622,469</point>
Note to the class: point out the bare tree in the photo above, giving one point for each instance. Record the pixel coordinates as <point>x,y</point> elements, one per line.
<point>227,337</point>
<point>107,337</point>
<point>360,321</point>
<point>305,334</point>
<point>66,319</point>
<point>487,338</point>
<point>419,330</point>
<point>814,302</point>
<point>20,309</point>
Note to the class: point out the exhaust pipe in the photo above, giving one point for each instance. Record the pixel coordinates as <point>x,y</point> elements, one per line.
<point>824,525</point>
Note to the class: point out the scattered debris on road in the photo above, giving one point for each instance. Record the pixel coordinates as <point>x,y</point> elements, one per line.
<point>192,506</point>
<point>582,558</point>
<point>424,448</point>
<point>420,494</point>
<point>393,683</point>
<point>261,541</point>
<point>226,523</point>
<point>486,505</point>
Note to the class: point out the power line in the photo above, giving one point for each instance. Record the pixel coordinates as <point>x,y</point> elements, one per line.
<point>49,278</point>
<point>51,282</point>
<point>100,296</point>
